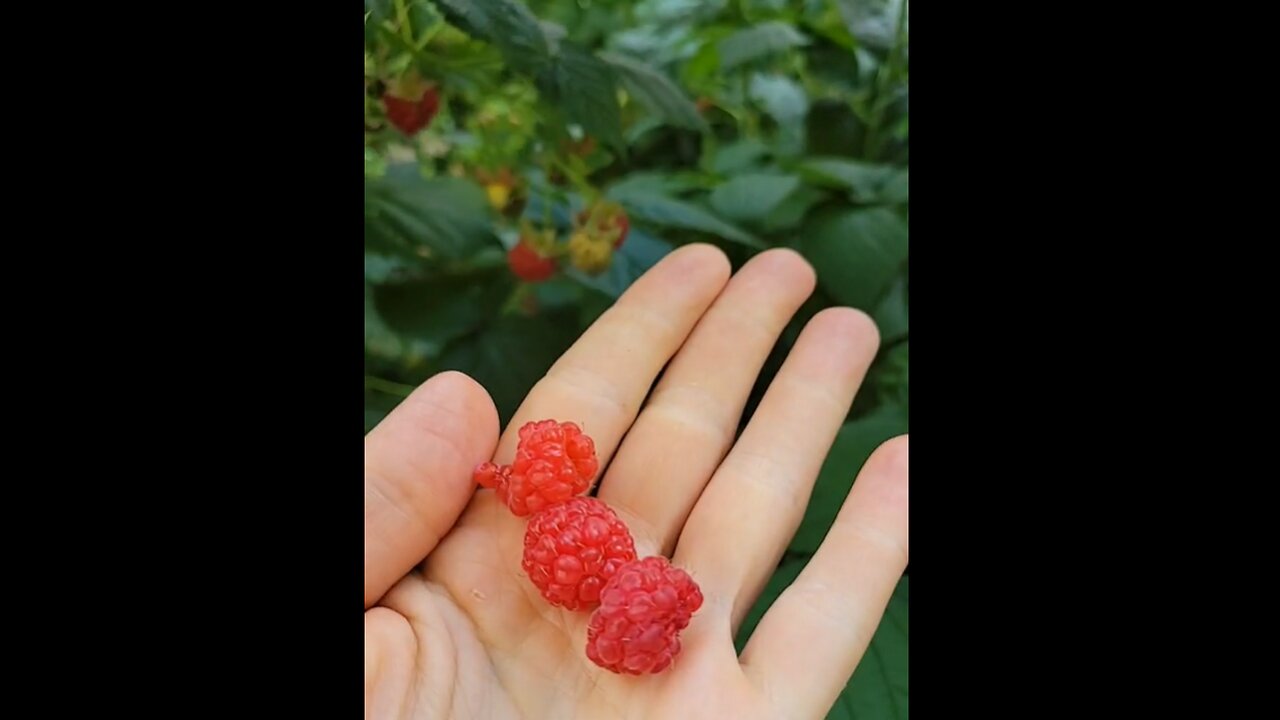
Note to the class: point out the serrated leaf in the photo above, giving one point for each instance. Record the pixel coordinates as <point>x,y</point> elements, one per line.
<point>879,687</point>
<point>749,198</point>
<point>853,445</point>
<point>757,42</point>
<point>507,24</point>
<point>657,92</point>
<point>659,209</point>
<point>640,252</point>
<point>586,89</point>
<point>412,216</point>
<point>857,253</point>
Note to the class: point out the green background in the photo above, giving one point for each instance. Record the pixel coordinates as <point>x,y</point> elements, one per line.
<point>749,124</point>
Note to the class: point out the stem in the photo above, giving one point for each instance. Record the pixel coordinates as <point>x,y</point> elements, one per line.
<point>402,15</point>
<point>885,77</point>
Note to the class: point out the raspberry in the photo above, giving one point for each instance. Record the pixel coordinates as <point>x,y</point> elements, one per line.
<point>528,265</point>
<point>642,610</point>
<point>609,218</point>
<point>588,254</point>
<point>410,115</point>
<point>554,461</point>
<point>573,548</point>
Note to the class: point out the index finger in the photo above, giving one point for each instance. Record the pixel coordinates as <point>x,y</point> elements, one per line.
<point>600,382</point>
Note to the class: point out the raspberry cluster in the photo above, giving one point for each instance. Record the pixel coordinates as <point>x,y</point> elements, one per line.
<point>579,554</point>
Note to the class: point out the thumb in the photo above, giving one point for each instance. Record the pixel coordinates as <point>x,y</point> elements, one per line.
<point>417,474</point>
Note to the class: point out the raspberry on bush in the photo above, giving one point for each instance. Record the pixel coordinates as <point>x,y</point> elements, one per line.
<point>572,549</point>
<point>554,462</point>
<point>528,265</point>
<point>643,608</point>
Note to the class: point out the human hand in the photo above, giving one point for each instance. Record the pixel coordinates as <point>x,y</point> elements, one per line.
<point>464,634</point>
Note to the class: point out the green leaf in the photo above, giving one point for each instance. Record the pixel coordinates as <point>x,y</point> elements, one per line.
<point>868,182</point>
<point>872,22</point>
<point>757,42</point>
<point>832,128</point>
<point>738,156</point>
<point>662,183</point>
<point>782,578</point>
<point>857,253</point>
<point>791,213</point>
<point>428,314</point>
<point>640,252</point>
<point>507,24</point>
<point>411,216</point>
<point>379,340</point>
<point>890,378</point>
<point>648,206</point>
<point>853,445</point>
<point>896,190</point>
<point>657,92</point>
<point>891,313</point>
<point>879,687</point>
<point>512,354</point>
<point>586,89</point>
<point>786,102</point>
<point>749,198</point>
<point>379,268</point>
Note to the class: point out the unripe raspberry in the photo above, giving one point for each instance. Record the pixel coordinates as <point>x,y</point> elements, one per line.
<point>643,608</point>
<point>573,548</point>
<point>588,254</point>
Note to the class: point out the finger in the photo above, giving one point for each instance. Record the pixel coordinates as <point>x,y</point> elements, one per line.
<point>417,474</point>
<point>690,419</point>
<point>389,652</point>
<point>754,502</point>
<point>600,382</point>
<point>807,645</point>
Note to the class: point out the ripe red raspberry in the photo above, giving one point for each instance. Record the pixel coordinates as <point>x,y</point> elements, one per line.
<point>528,265</point>
<point>573,548</point>
<point>554,461</point>
<point>642,610</point>
<point>410,115</point>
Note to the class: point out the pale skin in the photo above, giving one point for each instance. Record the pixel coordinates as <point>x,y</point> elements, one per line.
<point>454,630</point>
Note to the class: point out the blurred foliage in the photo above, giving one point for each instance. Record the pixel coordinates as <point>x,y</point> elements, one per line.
<point>749,124</point>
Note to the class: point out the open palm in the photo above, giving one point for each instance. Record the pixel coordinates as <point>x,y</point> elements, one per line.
<point>453,628</point>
